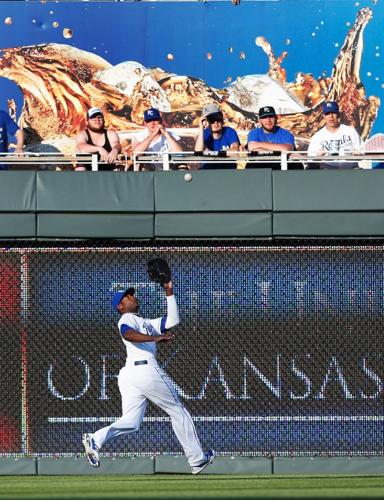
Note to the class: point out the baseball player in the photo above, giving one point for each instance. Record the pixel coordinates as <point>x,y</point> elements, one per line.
<point>142,379</point>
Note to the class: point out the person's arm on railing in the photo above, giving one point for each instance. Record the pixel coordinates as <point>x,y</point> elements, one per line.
<point>268,146</point>
<point>83,147</point>
<point>114,141</point>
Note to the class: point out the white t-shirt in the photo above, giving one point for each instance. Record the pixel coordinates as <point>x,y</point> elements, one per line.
<point>159,145</point>
<point>344,140</point>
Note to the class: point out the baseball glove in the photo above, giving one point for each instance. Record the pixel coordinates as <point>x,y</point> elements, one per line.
<point>159,271</point>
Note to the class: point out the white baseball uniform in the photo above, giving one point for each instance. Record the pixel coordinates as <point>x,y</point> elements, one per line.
<point>142,379</point>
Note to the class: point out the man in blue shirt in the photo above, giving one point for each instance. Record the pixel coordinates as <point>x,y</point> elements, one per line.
<point>269,138</point>
<point>9,127</point>
<point>213,136</point>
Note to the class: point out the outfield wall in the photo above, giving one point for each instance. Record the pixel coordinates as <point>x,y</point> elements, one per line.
<point>250,204</point>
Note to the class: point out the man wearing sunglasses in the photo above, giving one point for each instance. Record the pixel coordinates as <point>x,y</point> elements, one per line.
<point>214,136</point>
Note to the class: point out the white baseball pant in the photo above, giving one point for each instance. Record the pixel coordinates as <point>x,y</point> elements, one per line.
<point>140,383</point>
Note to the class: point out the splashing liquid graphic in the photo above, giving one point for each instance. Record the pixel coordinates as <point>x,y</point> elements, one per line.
<point>60,82</point>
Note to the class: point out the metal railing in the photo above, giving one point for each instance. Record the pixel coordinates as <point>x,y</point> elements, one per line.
<point>188,160</point>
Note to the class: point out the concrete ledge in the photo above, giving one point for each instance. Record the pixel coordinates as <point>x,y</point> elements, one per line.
<point>80,466</point>
<point>320,465</point>
<point>17,466</point>
<point>222,465</point>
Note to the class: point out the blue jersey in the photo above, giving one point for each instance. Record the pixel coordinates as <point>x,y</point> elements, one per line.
<point>228,137</point>
<point>278,136</point>
<point>7,127</point>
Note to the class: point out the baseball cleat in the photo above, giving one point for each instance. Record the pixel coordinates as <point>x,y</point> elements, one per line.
<point>209,457</point>
<point>91,450</point>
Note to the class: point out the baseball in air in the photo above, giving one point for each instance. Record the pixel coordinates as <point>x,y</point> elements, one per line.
<point>187,177</point>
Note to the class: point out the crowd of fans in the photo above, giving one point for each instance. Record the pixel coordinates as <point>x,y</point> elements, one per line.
<point>214,139</point>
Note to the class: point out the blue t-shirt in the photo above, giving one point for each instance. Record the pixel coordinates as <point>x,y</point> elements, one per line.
<point>278,136</point>
<point>7,127</point>
<point>228,137</point>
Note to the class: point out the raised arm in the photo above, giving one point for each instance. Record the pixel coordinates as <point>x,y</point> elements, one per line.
<point>199,142</point>
<point>173,318</point>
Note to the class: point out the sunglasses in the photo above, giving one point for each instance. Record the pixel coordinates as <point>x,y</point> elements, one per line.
<point>218,117</point>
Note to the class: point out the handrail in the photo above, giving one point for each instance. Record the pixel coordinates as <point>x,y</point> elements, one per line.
<point>189,159</point>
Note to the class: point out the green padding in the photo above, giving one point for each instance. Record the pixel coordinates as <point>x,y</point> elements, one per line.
<point>17,225</point>
<point>222,465</point>
<point>17,466</point>
<point>213,225</point>
<point>17,191</point>
<point>95,192</point>
<point>320,465</point>
<point>328,224</point>
<point>80,466</point>
<point>95,226</point>
<point>213,190</point>
<point>328,190</point>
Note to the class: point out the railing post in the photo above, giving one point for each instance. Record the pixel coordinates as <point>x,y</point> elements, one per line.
<point>166,161</point>
<point>95,166</point>
<point>284,162</point>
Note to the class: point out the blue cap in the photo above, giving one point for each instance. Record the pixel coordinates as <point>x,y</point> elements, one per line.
<point>330,107</point>
<point>151,114</point>
<point>118,296</point>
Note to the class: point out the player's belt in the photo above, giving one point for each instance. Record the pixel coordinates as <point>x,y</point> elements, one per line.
<point>141,362</point>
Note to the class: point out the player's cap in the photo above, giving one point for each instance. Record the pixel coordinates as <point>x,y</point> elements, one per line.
<point>118,296</point>
<point>210,109</point>
<point>330,107</point>
<point>93,112</point>
<point>151,115</point>
<point>266,111</point>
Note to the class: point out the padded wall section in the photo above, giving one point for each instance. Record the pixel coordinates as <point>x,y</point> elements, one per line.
<point>208,225</point>
<point>95,192</point>
<point>328,224</point>
<point>95,226</point>
<point>328,190</point>
<point>17,191</point>
<point>17,225</point>
<point>214,191</point>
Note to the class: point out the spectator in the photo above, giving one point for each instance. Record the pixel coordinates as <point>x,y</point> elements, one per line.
<point>155,138</point>
<point>268,139</point>
<point>334,139</point>
<point>214,136</point>
<point>97,139</point>
<point>9,127</point>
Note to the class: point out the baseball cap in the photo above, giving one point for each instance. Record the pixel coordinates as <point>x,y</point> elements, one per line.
<point>151,114</point>
<point>266,111</point>
<point>118,296</point>
<point>91,113</point>
<point>330,107</point>
<point>210,109</point>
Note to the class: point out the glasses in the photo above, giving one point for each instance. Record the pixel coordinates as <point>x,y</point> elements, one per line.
<point>215,118</point>
<point>97,117</point>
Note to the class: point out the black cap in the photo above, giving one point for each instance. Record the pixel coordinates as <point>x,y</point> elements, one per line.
<point>267,111</point>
